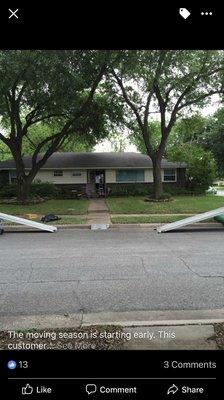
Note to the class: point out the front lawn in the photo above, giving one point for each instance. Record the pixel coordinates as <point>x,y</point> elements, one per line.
<point>180,205</point>
<point>59,207</point>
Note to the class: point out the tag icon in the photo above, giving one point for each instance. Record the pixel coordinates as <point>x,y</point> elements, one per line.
<point>184,13</point>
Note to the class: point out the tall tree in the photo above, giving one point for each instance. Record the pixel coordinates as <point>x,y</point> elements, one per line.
<point>213,139</point>
<point>207,132</point>
<point>58,88</point>
<point>166,83</point>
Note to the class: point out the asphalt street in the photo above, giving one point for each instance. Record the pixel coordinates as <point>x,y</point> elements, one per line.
<point>115,270</point>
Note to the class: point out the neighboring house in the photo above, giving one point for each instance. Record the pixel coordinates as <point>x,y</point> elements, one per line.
<point>81,171</point>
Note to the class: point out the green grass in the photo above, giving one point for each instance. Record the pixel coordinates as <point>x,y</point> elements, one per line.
<point>66,220</point>
<point>180,205</point>
<point>66,207</point>
<point>69,221</point>
<point>151,219</point>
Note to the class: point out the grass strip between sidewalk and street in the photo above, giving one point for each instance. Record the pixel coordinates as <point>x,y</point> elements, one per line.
<point>65,220</point>
<point>149,219</point>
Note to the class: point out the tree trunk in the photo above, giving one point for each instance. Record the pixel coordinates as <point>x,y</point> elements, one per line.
<point>23,183</point>
<point>23,190</point>
<point>157,179</point>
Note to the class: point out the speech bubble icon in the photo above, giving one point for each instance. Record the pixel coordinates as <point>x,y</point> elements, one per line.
<point>91,388</point>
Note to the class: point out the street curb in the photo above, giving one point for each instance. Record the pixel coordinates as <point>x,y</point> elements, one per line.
<point>154,318</point>
<point>157,224</point>
<point>15,228</point>
<point>122,319</point>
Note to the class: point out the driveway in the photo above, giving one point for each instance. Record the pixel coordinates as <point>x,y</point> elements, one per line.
<point>118,269</point>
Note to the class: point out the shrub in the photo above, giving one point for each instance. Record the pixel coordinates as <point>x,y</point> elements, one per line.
<point>44,189</point>
<point>38,189</point>
<point>183,191</point>
<point>130,190</point>
<point>201,168</point>
<point>8,191</point>
<point>66,192</point>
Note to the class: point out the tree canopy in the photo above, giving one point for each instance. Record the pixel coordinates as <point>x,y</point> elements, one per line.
<point>213,139</point>
<point>57,88</point>
<point>52,100</point>
<point>206,132</point>
<point>166,83</point>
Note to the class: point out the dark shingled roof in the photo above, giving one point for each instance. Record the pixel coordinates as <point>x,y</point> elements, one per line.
<point>95,161</point>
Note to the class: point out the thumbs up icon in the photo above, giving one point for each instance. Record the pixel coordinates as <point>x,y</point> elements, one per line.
<point>27,389</point>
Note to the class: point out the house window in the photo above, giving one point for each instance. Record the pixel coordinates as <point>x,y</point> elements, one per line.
<point>13,176</point>
<point>58,172</point>
<point>132,175</point>
<point>76,174</point>
<point>169,175</point>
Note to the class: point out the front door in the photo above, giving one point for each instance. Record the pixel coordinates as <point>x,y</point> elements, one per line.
<point>96,181</point>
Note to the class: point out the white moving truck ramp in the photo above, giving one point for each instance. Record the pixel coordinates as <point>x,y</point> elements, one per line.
<point>190,220</point>
<point>27,222</point>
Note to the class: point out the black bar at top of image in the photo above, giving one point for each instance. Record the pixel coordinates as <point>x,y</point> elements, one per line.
<point>109,25</point>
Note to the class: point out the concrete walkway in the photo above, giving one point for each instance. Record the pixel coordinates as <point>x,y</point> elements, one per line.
<point>98,212</point>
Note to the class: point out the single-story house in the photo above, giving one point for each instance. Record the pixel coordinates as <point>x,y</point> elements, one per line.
<point>87,171</point>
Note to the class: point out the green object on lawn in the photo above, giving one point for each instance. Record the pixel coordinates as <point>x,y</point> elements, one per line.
<point>219,218</point>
